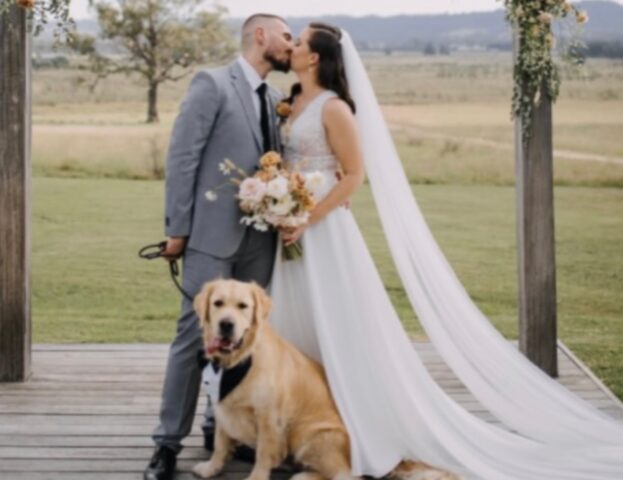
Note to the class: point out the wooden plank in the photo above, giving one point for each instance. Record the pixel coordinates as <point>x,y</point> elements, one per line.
<point>101,465</point>
<point>587,371</point>
<point>535,235</point>
<point>99,347</point>
<point>15,321</point>
<point>99,428</point>
<point>38,420</point>
<point>94,453</point>
<point>68,441</point>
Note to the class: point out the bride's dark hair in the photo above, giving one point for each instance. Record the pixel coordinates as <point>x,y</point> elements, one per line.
<point>325,41</point>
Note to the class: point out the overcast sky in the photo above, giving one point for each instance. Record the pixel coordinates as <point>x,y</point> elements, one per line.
<point>242,8</point>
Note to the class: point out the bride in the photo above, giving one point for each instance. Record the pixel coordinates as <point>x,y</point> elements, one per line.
<point>331,304</point>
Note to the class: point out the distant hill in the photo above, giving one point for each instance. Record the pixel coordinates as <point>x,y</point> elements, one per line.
<point>413,32</point>
<point>470,29</point>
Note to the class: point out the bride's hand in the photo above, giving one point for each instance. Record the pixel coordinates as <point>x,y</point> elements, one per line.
<point>292,236</point>
<point>339,175</point>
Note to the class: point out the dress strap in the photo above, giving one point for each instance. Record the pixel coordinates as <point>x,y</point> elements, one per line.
<point>323,97</point>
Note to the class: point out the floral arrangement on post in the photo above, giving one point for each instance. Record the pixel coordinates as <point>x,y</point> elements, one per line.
<point>44,12</point>
<point>534,66</point>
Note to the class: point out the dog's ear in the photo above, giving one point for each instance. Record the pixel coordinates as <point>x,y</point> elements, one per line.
<point>201,303</point>
<point>263,303</point>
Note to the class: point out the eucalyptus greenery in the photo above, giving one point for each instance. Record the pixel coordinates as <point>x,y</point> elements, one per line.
<point>535,71</point>
<point>42,14</point>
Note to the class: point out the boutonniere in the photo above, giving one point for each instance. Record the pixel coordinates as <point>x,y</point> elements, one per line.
<point>284,109</point>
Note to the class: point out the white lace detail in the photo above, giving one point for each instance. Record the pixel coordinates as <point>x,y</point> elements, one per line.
<point>305,140</point>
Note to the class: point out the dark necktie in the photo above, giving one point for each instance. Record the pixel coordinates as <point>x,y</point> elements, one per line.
<point>264,125</point>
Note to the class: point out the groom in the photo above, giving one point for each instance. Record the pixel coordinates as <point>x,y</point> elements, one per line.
<point>228,112</point>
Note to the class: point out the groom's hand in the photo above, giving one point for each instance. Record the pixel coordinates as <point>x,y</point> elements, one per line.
<point>174,248</point>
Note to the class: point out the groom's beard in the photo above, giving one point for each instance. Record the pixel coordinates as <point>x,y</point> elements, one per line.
<point>278,65</point>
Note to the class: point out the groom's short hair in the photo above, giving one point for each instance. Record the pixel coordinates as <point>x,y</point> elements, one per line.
<point>254,21</point>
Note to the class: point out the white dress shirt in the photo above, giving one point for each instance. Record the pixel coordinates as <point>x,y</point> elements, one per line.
<point>254,80</point>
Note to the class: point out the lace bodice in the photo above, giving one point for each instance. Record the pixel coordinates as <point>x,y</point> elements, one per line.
<point>305,140</point>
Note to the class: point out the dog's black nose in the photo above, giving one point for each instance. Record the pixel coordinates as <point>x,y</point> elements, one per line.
<point>226,327</point>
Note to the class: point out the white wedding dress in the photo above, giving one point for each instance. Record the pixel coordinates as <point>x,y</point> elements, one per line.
<point>333,306</point>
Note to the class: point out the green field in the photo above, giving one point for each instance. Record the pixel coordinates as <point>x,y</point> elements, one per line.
<point>98,197</point>
<point>90,286</point>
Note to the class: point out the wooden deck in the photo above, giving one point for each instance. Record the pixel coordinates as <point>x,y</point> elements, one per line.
<point>88,411</point>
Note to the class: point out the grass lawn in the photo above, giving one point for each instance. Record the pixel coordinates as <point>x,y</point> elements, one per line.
<point>90,286</point>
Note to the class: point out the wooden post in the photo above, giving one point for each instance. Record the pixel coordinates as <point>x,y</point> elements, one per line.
<point>15,324</point>
<point>535,237</point>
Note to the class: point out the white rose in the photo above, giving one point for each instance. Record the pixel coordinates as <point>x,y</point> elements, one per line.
<point>294,221</point>
<point>314,182</point>
<point>282,207</point>
<point>272,219</point>
<point>258,222</point>
<point>277,187</point>
<point>252,190</point>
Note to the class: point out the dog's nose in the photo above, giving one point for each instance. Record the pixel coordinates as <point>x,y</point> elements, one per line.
<point>226,327</point>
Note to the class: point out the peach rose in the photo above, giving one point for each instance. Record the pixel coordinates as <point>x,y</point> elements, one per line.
<point>284,109</point>
<point>252,190</point>
<point>270,159</point>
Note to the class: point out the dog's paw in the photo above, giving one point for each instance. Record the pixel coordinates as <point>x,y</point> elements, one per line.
<point>206,469</point>
<point>311,476</point>
<point>430,474</point>
<point>409,470</point>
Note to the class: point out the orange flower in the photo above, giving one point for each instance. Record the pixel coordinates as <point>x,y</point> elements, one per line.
<point>298,180</point>
<point>270,159</point>
<point>284,109</point>
<point>581,16</point>
<point>29,4</point>
<point>308,203</point>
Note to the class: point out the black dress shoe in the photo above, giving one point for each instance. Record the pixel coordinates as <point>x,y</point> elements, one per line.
<point>162,465</point>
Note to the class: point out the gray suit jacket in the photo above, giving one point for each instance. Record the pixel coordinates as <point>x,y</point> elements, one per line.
<point>216,121</point>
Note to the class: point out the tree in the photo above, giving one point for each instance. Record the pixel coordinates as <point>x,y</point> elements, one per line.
<point>162,40</point>
<point>429,49</point>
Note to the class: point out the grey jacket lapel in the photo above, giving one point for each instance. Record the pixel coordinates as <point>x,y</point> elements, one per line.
<point>244,94</point>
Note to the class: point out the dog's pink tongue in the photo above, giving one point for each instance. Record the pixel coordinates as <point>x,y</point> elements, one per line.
<point>213,345</point>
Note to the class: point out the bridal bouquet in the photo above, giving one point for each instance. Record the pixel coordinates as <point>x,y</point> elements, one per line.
<point>274,196</point>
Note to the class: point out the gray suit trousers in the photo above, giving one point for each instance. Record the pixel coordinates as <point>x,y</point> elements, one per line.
<point>253,261</point>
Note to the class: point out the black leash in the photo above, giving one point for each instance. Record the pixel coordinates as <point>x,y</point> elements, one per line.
<point>150,252</point>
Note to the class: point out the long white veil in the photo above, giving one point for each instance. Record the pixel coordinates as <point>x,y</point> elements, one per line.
<point>498,375</point>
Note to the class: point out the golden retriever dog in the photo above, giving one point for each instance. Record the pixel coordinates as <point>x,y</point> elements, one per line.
<point>282,405</point>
